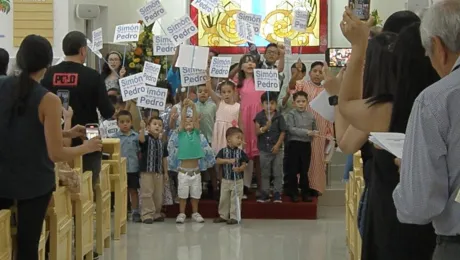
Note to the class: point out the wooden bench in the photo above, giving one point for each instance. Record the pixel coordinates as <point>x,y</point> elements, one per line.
<point>6,246</point>
<point>60,225</point>
<point>119,185</point>
<point>103,210</point>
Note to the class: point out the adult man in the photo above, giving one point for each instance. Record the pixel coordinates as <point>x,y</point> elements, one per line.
<point>86,88</point>
<point>429,188</point>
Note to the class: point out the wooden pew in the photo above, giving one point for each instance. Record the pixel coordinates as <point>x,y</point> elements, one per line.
<point>60,225</point>
<point>359,188</point>
<point>83,208</point>
<point>119,185</point>
<point>6,246</point>
<point>42,243</point>
<point>103,211</point>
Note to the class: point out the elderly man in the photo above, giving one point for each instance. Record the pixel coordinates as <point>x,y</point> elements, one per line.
<point>429,189</point>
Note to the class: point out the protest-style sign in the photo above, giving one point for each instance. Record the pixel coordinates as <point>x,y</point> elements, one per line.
<point>111,127</point>
<point>287,46</point>
<point>301,18</point>
<point>127,32</point>
<point>98,41</point>
<point>245,30</point>
<point>155,98</point>
<point>205,6</point>
<point>91,47</point>
<point>192,77</point>
<point>151,12</point>
<point>132,87</point>
<point>220,67</point>
<point>192,57</point>
<point>163,46</point>
<point>181,30</point>
<point>151,72</point>
<point>266,80</point>
<point>253,19</point>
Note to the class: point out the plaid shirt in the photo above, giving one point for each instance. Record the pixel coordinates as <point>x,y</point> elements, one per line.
<point>240,158</point>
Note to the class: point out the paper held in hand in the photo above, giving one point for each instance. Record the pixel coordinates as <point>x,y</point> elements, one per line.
<point>192,77</point>
<point>127,33</point>
<point>181,30</point>
<point>391,142</point>
<point>98,41</point>
<point>220,67</point>
<point>287,46</point>
<point>132,86</point>
<point>151,72</point>
<point>163,46</point>
<point>91,47</point>
<point>245,31</point>
<point>195,57</point>
<point>205,6</point>
<point>155,98</point>
<point>253,19</point>
<point>301,18</point>
<point>151,12</point>
<point>320,105</point>
<point>266,80</point>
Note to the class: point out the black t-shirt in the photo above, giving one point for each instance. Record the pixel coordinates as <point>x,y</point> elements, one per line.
<point>87,92</point>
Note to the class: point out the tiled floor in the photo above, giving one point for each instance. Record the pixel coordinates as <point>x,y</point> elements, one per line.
<point>322,239</point>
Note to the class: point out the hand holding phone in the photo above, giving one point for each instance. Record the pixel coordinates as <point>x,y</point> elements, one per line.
<point>337,57</point>
<point>64,95</point>
<point>361,8</point>
<point>92,130</point>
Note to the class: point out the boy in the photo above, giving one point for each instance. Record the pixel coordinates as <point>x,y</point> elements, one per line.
<point>207,114</point>
<point>233,162</point>
<point>154,170</point>
<point>301,127</point>
<point>270,130</point>
<point>129,149</point>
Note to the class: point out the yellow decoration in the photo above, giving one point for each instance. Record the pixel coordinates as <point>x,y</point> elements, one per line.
<point>136,60</point>
<point>149,53</point>
<point>132,65</point>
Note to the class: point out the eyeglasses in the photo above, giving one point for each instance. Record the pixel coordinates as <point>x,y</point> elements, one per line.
<point>116,59</point>
<point>271,52</point>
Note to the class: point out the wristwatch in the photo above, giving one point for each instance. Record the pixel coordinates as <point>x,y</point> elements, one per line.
<point>334,100</point>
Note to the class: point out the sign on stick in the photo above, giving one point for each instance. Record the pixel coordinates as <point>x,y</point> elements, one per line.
<point>220,67</point>
<point>127,33</point>
<point>151,12</point>
<point>132,87</point>
<point>181,30</point>
<point>163,46</point>
<point>266,80</point>
<point>151,72</point>
<point>192,77</point>
<point>154,99</point>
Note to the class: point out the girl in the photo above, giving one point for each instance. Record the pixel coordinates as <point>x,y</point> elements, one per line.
<point>113,71</point>
<point>227,115</point>
<point>190,153</point>
<point>250,106</point>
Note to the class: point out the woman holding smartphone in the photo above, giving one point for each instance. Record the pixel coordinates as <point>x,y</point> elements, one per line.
<point>32,139</point>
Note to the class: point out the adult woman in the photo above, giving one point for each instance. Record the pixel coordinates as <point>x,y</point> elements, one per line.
<point>113,71</point>
<point>32,139</point>
<point>4,60</point>
<point>385,236</point>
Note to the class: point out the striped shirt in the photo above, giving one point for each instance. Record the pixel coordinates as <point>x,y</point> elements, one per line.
<point>240,158</point>
<point>430,168</point>
<point>153,152</point>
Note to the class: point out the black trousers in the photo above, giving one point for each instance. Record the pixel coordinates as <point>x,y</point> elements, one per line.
<point>31,214</point>
<point>298,161</point>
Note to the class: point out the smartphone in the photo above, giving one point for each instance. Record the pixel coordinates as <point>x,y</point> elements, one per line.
<point>92,130</point>
<point>337,57</point>
<point>64,95</point>
<point>361,8</point>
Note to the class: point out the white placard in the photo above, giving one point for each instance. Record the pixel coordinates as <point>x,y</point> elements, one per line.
<point>205,6</point>
<point>132,87</point>
<point>151,72</point>
<point>301,18</point>
<point>220,67</point>
<point>91,47</point>
<point>111,127</point>
<point>287,46</point>
<point>127,32</point>
<point>154,99</point>
<point>266,80</point>
<point>320,104</point>
<point>151,12</point>
<point>98,41</point>
<point>181,30</point>
<point>163,46</point>
<point>192,57</point>
<point>192,77</point>
<point>245,30</point>
<point>391,142</point>
<point>253,19</point>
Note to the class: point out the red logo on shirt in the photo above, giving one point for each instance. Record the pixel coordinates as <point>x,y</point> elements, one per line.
<point>65,80</point>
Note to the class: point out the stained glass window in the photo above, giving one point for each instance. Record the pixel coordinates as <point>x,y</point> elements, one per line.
<point>218,30</point>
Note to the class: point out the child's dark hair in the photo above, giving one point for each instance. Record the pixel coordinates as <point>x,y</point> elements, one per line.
<point>300,94</point>
<point>304,68</point>
<point>269,95</point>
<point>227,82</point>
<point>156,111</point>
<point>316,63</point>
<point>155,118</point>
<point>124,113</point>
<point>233,130</point>
<point>244,59</point>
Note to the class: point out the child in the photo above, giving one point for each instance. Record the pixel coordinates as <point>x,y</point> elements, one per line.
<point>129,149</point>
<point>190,154</point>
<point>301,127</point>
<point>270,129</point>
<point>234,162</point>
<point>207,115</point>
<point>154,170</point>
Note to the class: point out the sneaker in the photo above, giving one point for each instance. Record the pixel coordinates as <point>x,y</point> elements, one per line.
<point>219,220</point>
<point>197,218</point>
<point>263,198</point>
<point>232,222</point>
<point>137,217</point>
<point>181,218</point>
<point>277,198</point>
<point>148,221</point>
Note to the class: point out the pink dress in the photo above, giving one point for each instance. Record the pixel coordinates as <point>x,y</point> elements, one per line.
<point>226,117</point>
<point>250,106</point>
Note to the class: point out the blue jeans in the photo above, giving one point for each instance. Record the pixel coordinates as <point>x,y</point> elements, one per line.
<point>362,211</point>
<point>348,167</point>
